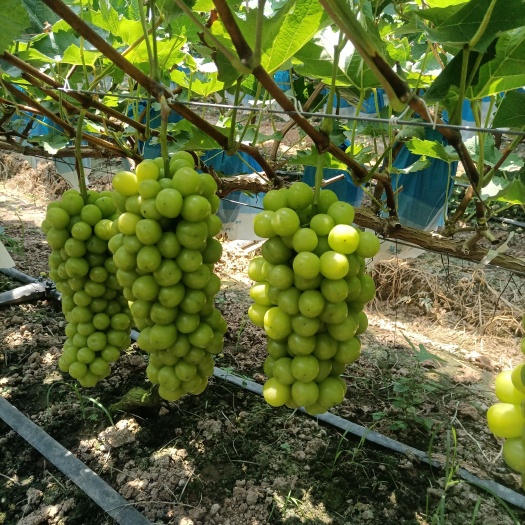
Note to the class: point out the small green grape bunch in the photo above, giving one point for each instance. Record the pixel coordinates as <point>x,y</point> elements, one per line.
<point>81,265</point>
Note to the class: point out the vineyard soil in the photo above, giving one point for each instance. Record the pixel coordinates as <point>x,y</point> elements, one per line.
<point>227,458</point>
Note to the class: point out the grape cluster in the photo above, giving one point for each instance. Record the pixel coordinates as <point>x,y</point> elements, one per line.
<point>165,254</point>
<point>506,419</point>
<point>310,290</point>
<point>82,267</point>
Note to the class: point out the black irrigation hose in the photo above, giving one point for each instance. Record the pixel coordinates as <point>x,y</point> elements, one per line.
<point>27,279</point>
<point>504,493</point>
<point>107,498</point>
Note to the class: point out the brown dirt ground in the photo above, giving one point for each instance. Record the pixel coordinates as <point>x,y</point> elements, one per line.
<point>227,458</point>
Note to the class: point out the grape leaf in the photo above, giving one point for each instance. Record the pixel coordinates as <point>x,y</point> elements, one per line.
<point>39,14</point>
<point>429,148</point>
<point>507,70</point>
<point>127,30</point>
<point>419,165</point>
<point>451,75</point>
<point>316,61</point>
<point>13,22</point>
<point>309,158</point>
<point>202,84</point>
<point>511,111</point>
<point>464,23</point>
<point>73,56</point>
<point>500,189</point>
<point>285,33</point>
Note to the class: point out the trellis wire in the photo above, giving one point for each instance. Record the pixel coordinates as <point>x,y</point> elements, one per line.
<point>253,109</point>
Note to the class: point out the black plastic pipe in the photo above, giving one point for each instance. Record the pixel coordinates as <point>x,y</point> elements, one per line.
<point>107,498</point>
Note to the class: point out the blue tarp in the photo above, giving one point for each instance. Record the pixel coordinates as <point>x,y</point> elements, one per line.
<point>344,188</point>
<point>45,126</point>
<point>237,210</point>
<point>425,193</point>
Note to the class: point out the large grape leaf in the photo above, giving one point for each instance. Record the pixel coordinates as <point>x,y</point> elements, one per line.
<point>451,75</point>
<point>299,25</point>
<point>507,70</point>
<point>285,33</point>
<point>39,14</point>
<point>511,111</point>
<point>316,61</point>
<point>168,53</point>
<point>500,189</point>
<point>202,83</point>
<point>72,55</point>
<point>108,18</point>
<point>310,158</point>
<point>191,137</point>
<point>458,26</point>
<point>13,21</point>
<point>433,149</point>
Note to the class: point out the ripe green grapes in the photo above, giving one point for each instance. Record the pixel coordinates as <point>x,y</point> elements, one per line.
<point>309,292</point>
<point>165,253</point>
<point>81,265</point>
<point>506,417</point>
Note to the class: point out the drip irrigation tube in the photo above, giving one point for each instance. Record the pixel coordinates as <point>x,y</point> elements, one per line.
<point>108,499</point>
<point>50,290</point>
<point>504,493</point>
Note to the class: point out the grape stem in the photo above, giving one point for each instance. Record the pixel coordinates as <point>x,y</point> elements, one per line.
<point>318,182</point>
<point>165,111</point>
<point>78,155</point>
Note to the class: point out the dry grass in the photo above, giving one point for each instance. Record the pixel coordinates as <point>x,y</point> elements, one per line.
<point>43,182</point>
<point>489,301</point>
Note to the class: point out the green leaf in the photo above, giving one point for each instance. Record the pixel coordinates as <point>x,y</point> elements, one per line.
<point>294,28</point>
<point>419,165</point>
<point>501,190</point>
<point>285,33</point>
<point>458,26</point>
<point>13,22</point>
<point>423,354</point>
<point>33,55</point>
<point>444,3</point>
<point>507,70</point>
<point>451,75</point>
<point>316,61</point>
<point>310,159</point>
<point>52,142</point>
<point>168,53</point>
<point>73,56</point>
<point>203,6</point>
<point>409,132</point>
<point>194,137</point>
<point>429,148</point>
<point>202,84</point>
<point>227,73</point>
<point>39,13</point>
<point>252,134</point>
<point>511,111</point>
<point>126,30</point>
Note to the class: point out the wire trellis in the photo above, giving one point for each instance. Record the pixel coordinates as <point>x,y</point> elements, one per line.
<point>275,111</point>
